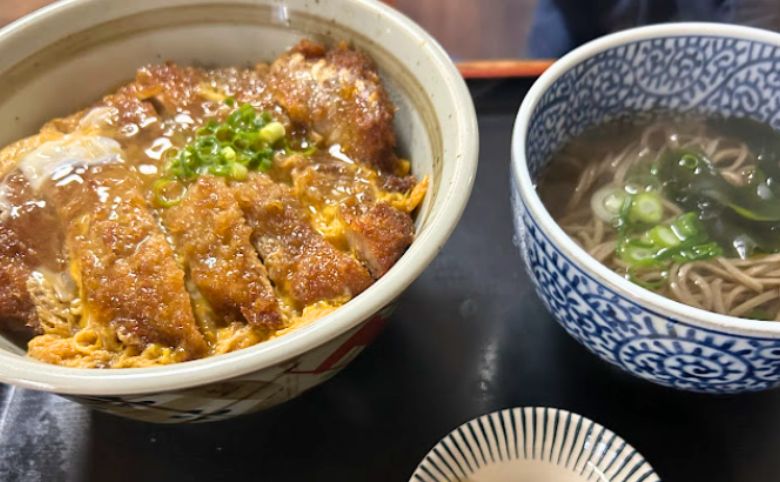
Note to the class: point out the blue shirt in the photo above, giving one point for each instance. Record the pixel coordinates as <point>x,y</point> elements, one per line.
<point>560,25</point>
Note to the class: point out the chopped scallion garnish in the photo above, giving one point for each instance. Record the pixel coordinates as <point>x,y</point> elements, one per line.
<point>646,207</point>
<point>246,141</point>
<point>167,192</point>
<point>681,240</point>
<point>608,202</point>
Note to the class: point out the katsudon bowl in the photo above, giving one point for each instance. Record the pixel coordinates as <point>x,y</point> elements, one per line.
<point>66,56</point>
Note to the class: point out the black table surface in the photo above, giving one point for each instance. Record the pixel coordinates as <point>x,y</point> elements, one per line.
<point>468,337</point>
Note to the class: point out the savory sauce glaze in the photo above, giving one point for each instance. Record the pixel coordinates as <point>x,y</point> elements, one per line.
<point>195,212</point>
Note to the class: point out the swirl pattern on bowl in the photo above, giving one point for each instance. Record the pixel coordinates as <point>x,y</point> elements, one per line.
<point>648,344</point>
<point>691,74</point>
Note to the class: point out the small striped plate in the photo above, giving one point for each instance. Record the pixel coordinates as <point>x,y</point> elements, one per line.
<point>533,445</point>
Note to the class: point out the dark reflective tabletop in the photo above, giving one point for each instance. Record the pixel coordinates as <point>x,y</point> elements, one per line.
<point>469,337</point>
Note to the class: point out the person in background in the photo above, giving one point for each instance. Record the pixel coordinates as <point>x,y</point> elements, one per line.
<point>561,25</point>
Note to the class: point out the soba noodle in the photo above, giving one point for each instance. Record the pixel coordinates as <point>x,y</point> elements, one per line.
<point>726,284</point>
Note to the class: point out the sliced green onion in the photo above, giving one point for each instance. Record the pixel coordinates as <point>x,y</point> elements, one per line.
<point>272,132</point>
<point>265,164</point>
<point>244,142</point>
<point>687,226</point>
<point>638,254</point>
<point>663,236</point>
<point>647,208</point>
<point>693,252</point>
<point>228,153</point>
<point>239,172</point>
<point>170,154</point>
<point>614,201</point>
<point>607,202</point>
<point>163,196</point>
<point>209,128</point>
<point>681,240</point>
<point>305,150</point>
<point>689,161</point>
<point>223,170</point>
<point>224,133</point>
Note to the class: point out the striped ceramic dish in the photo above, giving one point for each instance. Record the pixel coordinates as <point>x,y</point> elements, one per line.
<point>533,445</point>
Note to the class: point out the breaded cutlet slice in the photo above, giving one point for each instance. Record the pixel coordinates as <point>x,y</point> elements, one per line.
<point>375,231</point>
<point>299,261</point>
<point>120,259</point>
<point>30,239</point>
<point>338,94</point>
<point>213,238</point>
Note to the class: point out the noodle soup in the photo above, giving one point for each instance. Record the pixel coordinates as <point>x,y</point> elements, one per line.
<point>688,208</point>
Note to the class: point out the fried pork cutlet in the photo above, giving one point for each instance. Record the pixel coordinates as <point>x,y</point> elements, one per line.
<point>23,217</point>
<point>16,265</point>
<point>376,232</point>
<point>299,261</point>
<point>214,240</point>
<point>124,267</point>
<point>338,94</point>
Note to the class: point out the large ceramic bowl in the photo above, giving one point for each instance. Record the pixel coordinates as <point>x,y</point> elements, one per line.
<point>686,67</point>
<point>65,56</point>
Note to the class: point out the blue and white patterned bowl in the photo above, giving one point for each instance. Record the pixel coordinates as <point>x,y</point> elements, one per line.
<point>533,444</point>
<point>686,68</point>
